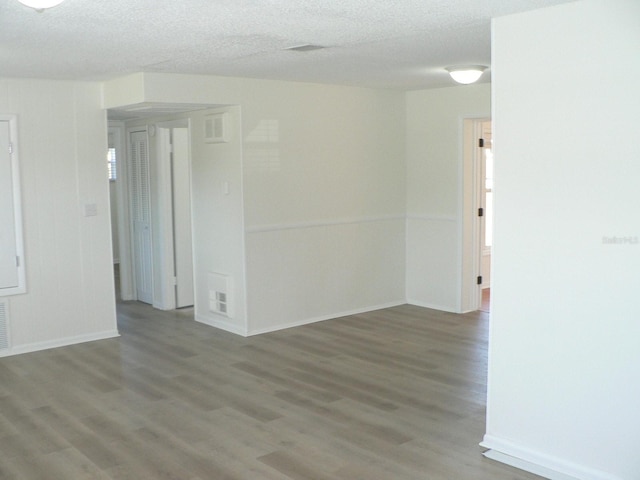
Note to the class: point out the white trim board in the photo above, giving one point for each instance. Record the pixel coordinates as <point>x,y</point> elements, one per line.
<point>526,466</point>
<point>322,223</point>
<point>323,318</point>
<point>426,217</point>
<point>432,306</point>
<point>61,342</point>
<point>229,327</point>
<point>221,324</point>
<point>539,463</point>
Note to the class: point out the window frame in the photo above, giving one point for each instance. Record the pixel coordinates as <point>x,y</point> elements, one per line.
<point>21,286</point>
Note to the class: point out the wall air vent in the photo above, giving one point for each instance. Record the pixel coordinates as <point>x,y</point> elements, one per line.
<point>216,128</point>
<point>220,294</point>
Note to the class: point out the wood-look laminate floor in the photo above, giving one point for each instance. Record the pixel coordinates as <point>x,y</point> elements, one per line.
<point>397,394</point>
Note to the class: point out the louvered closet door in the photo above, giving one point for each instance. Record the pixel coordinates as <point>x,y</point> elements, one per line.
<point>141,215</point>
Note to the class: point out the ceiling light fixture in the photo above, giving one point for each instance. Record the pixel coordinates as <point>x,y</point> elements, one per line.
<point>466,74</point>
<point>40,5</point>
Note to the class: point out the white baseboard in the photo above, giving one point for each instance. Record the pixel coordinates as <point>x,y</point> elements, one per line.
<point>322,318</point>
<point>230,327</point>
<point>432,306</point>
<point>221,324</point>
<point>539,463</point>
<point>526,466</point>
<point>61,342</point>
<point>276,227</point>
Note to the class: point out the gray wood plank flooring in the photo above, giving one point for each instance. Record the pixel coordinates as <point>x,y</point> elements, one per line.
<point>396,394</point>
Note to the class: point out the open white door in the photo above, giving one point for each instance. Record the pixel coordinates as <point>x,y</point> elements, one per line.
<point>140,191</point>
<point>181,194</point>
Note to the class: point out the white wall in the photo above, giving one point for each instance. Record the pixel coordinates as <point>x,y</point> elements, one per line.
<point>321,200</point>
<point>70,292</point>
<point>564,357</point>
<point>434,136</point>
<point>218,219</point>
<point>324,201</point>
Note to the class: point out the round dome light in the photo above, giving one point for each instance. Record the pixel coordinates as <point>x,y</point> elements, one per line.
<point>466,74</point>
<point>40,4</point>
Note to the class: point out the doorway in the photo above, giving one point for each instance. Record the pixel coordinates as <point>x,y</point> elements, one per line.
<point>140,208</point>
<point>155,247</point>
<point>476,214</point>
<point>484,189</point>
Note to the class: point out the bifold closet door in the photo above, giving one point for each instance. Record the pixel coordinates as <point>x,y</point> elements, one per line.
<point>140,191</point>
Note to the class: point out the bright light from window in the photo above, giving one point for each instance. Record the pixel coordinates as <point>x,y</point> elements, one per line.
<point>488,185</point>
<point>111,163</point>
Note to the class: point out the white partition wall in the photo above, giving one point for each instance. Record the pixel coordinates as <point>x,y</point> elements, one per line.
<point>299,208</point>
<point>324,202</point>
<point>65,213</point>
<point>564,356</point>
<point>218,220</point>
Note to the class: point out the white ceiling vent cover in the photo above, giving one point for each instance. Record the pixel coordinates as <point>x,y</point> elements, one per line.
<point>4,325</point>
<point>216,128</point>
<point>220,294</point>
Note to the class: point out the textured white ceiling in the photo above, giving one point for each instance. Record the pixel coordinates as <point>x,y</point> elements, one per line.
<point>401,44</point>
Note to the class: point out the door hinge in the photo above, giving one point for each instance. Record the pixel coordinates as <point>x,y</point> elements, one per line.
<point>10,148</point>
<point>479,280</point>
<point>481,212</point>
<point>174,280</point>
<point>481,142</point>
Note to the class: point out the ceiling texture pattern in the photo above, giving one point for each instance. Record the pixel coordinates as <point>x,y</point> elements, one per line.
<point>402,44</point>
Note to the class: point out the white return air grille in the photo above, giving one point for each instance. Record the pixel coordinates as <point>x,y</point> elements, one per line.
<point>220,294</point>
<point>4,325</point>
<point>216,128</point>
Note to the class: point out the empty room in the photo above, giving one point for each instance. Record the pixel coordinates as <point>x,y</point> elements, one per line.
<point>257,240</point>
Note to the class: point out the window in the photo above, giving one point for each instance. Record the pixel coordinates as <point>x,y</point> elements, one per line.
<point>12,273</point>
<point>111,163</point>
